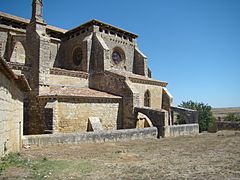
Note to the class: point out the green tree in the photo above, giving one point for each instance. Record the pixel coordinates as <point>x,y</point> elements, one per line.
<point>232,117</point>
<point>205,116</point>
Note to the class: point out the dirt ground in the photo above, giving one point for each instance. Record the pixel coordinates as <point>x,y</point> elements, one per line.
<point>206,156</point>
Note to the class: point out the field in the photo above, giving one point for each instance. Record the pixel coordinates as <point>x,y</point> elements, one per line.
<point>221,112</point>
<point>206,156</point>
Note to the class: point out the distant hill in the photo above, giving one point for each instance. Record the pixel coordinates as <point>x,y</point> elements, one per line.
<point>221,112</point>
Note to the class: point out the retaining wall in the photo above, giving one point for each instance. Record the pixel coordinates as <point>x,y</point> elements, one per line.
<point>90,137</point>
<point>181,130</point>
<point>227,125</point>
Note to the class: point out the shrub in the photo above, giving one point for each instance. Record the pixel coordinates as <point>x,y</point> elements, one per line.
<point>180,119</point>
<point>232,117</point>
<point>205,116</point>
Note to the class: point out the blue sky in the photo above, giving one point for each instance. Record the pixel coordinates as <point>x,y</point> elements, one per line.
<point>194,45</point>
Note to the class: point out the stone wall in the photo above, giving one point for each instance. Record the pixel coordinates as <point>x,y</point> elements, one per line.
<point>90,137</point>
<point>227,125</point>
<point>140,63</point>
<point>3,41</point>
<point>99,54</point>
<point>158,118</point>
<point>190,116</point>
<point>82,41</point>
<point>181,130</point>
<point>166,100</point>
<point>155,94</point>
<point>54,48</point>
<point>11,116</point>
<point>115,84</point>
<point>64,80</point>
<point>18,54</point>
<point>113,41</point>
<point>73,117</point>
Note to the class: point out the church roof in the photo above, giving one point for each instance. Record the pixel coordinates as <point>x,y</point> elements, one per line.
<point>22,22</point>
<point>67,91</point>
<point>102,25</point>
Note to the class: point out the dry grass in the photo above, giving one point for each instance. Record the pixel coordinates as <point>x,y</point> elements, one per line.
<point>207,156</point>
<point>222,112</point>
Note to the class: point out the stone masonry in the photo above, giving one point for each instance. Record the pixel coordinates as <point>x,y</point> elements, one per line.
<point>12,89</point>
<point>93,70</point>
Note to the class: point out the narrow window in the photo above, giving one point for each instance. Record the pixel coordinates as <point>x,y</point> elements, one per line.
<point>147,99</point>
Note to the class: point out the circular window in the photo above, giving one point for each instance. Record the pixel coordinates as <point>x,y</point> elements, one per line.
<point>116,57</point>
<point>77,56</point>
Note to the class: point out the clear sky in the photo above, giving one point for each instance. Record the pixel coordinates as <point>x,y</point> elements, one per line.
<point>194,45</point>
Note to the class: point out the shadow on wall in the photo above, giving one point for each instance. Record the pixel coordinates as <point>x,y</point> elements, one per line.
<point>6,89</point>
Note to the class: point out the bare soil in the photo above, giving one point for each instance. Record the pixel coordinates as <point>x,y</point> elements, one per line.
<point>206,156</point>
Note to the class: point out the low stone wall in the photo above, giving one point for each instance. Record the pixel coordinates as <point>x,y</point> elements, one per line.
<point>227,125</point>
<point>181,130</point>
<point>90,137</point>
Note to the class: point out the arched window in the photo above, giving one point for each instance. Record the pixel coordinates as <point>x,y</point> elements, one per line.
<point>147,99</point>
<point>18,54</point>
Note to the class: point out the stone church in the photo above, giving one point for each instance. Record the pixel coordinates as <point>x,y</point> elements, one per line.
<point>93,70</point>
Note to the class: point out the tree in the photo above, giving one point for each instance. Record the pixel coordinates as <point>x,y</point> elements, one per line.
<point>205,116</point>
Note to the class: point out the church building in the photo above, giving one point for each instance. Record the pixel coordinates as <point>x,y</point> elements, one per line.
<point>93,70</point>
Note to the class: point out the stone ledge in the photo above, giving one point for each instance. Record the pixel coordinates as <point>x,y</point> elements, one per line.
<point>79,99</point>
<point>147,81</point>
<point>90,137</point>
<point>18,66</point>
<point>65,72</point>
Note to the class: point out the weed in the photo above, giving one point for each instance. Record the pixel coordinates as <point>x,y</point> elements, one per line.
<point>12,159</point>
<point>45,159</point>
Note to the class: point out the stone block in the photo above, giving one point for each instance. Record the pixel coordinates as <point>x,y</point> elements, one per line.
<point>181,130</point>
<point>94,124</point>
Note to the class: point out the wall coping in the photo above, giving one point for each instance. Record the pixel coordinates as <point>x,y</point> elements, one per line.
<point>183,125</point>
<point>134,78</point>
<point>79,99</point>
<point>147,81</point>
<point>90,137</point>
